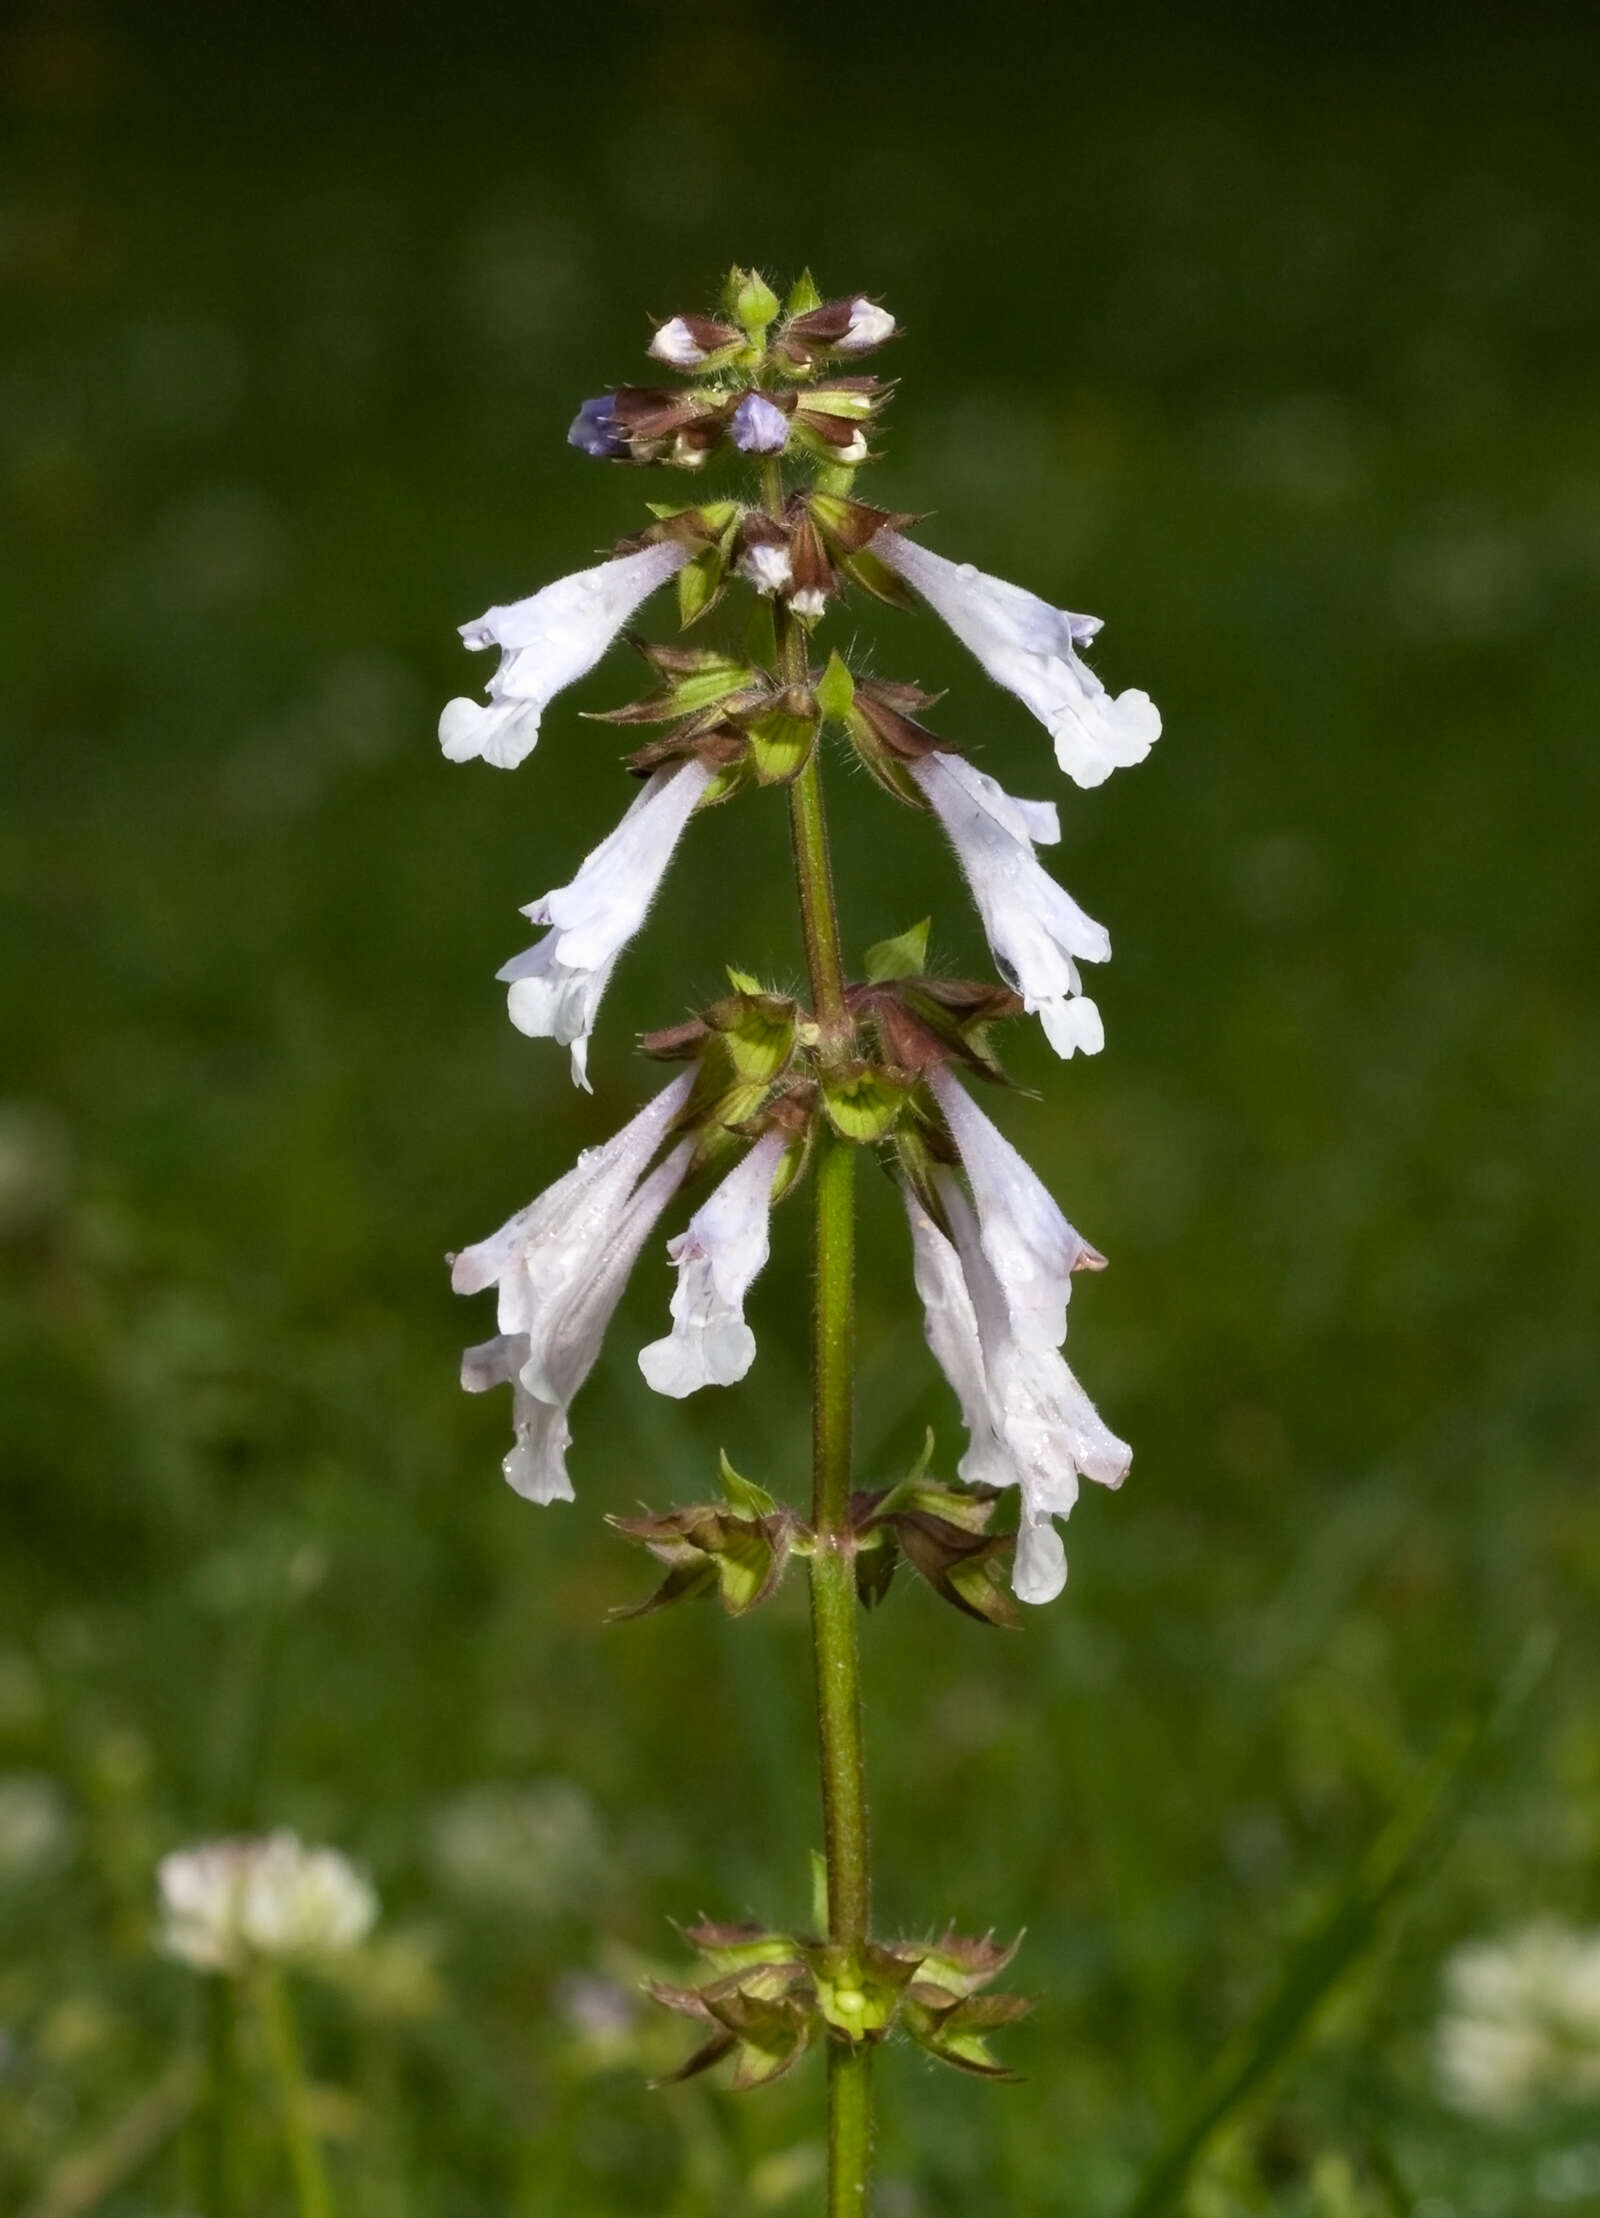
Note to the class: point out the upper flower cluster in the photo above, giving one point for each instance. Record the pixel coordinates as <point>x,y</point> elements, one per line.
<point>762,383</point>
<point>774,383</point>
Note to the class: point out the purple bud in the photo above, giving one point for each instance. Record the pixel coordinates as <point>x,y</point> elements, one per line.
<point>596,430</point>
<point>759,427</point>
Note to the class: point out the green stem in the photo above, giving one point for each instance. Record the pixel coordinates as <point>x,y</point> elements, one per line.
<point>833,1582</point>
<point>283,2053</point>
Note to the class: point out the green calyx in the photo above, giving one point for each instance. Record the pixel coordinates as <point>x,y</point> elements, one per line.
<point>737,1549</point>
<point>772,1994</point>
<point>943,1533</point>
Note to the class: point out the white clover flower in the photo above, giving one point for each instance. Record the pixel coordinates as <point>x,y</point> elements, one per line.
<point>561,1265</point>
<point>547,642</point>
<point>1032,649</point>
<point>1036,931</point>
<point>556,985</point>
<point>1030,1424</point>
<point>1032,1250</point>
<point>718,1258</point>
<point>869,326</point>
<point>229,1903</point>
<point>1521,2026</point>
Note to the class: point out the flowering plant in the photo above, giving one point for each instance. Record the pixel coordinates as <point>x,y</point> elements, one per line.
<point>772,1093</point>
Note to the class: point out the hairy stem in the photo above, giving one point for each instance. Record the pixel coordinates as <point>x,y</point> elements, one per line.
<point>312,2197</point>
<point>833,1585</point>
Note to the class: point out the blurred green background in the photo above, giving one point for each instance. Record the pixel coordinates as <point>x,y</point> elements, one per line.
<point>1269,341</point>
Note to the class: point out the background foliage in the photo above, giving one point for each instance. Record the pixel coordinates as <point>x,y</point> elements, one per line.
<point>1272,346</point>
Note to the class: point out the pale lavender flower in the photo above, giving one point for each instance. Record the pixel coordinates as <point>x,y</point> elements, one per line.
<point>595,430</point>
<point>547,642</point>
<point>556,985</point>
<point>1032,649</point>
<point>718,1258</point>
<point>1032,1249</point>
<point>227,1903</point>
<point>758,427</point>
<point>560,1265</point>
<point>1036,931</point>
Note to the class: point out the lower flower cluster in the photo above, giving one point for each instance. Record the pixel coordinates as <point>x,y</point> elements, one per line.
<point>994,1261</point>
<point>772,1994</point>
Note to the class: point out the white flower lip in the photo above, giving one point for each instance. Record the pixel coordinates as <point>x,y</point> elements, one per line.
<point>548,642</point>
<point>718,1257</point>
<point>676,345</point>
<point>560,1266</point>
<point>1036,931</point>
<point>228,1903</point>
<point>767,567</point>
<point>555,986</point>
<point>1031,649</point>
<point>869,326</point>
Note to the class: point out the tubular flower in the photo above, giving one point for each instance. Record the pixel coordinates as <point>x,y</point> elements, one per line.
<point>718,1258</point>
<point>226,1903</point>
<point>1050,1430</point>
<point>1036,931</point>
<point>1032,650</point>
<point>560,1266</point>
<point>1031,1248</point>
<point>547,642</point>
<point>556,985</point>
<point>1029,1422</point>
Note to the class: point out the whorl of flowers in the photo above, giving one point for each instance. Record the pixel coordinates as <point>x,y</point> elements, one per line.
<point>778,387</point>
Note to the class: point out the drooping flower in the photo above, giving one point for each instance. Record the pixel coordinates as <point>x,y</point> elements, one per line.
<point>229,1902</point>
<point>1036,931</point>
<point>758,427</point>
<point>556,985</point>
<point>560,1265</point>
<point>548,641</point>
<point>1032,649</point>
<point>596,430</point>
<point>718,1258</point>
<point>1030,1424</point>
<point>1521,2025</point>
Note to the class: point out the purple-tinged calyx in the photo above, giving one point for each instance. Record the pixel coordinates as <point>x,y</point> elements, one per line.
<point>758,426</point>
<point>595,430</point>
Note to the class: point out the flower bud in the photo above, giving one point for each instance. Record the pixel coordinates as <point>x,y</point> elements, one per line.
<point>595,430</point>
<point>751,301</point>
<point>869,327</point>
<point>688,342</point>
